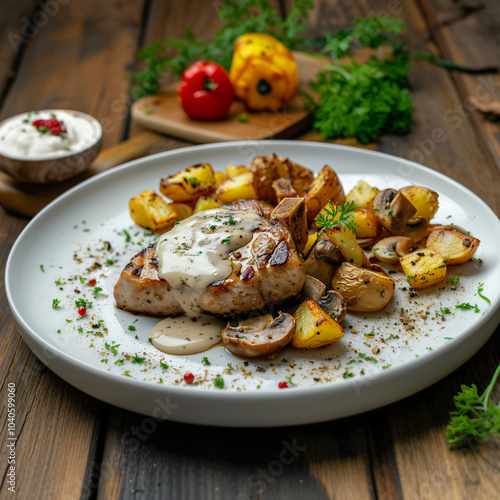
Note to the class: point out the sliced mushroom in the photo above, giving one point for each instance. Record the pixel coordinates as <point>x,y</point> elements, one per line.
<point>326,250</point>
<point>334,304</point>
<point>363,289</point>
<point>390,249</point>
<point>313,289</point>
<point>395,212</point>
<point>245,341</point>
<point>366,242</point>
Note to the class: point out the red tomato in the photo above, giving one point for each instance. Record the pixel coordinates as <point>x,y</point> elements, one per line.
<point>283,385</point>
<point>206,91</point>
<point>189,377</point>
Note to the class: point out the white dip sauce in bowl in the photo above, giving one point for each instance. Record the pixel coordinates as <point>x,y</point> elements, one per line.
<point>48,145</point>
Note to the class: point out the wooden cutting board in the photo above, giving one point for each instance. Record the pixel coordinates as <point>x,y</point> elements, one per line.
<point>163,113</point>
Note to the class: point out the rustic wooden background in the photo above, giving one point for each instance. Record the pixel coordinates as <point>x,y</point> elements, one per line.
<point>80,55</point>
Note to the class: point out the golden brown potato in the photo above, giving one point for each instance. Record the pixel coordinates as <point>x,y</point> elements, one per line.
<point>183,210</point>
<point>206,203</point>
<point>368,225</point>
<point>314,327</point>
<point>220,177</point>
<point>347,244</point>
<point>363,289</point>
<point>454,246</point>
<point>283,188</point>
<point>187,184</point>
<point>423,199</point>
<point>326,187</point>
<point>301,177</point>
<point>237,188</point>
<point>150,211</point>
<point>424,267</point>
<point>234,170</point>
<point>363,195</point>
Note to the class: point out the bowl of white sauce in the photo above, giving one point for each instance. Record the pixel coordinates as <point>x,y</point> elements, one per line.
<point>50,145</point>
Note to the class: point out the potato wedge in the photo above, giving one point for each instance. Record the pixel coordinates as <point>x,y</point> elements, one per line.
<point>234,170</point>
<point>301,177</point>
<point>423,199</point>
<point>314,327</point>
<point>220,177</point>
<point>264,173</point>
<point>189,183</point>
<point>183,210</point>
<point>150,211</point>
<point>326,187</point>
<point>368,224</point>
<point>237,188</point>
<point>362,194</point>
<point>363,289</point>
<point>347,244</point>
<point>283,188</point>
<point>454,246</point>
<point>424,267</point>
<point>291,212</point>
<point>206,203</point>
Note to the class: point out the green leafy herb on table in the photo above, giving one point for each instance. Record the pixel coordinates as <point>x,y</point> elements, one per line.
<point>476,416</point>
<point>364,100</point>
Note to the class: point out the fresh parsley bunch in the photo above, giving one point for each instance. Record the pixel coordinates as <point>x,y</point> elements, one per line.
<point>364,100</point>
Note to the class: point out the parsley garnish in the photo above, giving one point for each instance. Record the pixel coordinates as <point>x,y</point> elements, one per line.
<point>96,291</point>
<point>476,416</point>
<point>163,365</point>
<point>465,306</point>
<point>131,328</point>
<point>227,240</point>
<point>367,358</point>
<point>119,362</point>
<point>205,361</point>
<point>137,360</point>
<point>290,379</point>
<point>41,267</point>
<point>455,280</point>
<point>348,374</point>
<point>112,348</point>
<point>84,303</point>
<point>55,303</point>
<point>231,221</point>
<point>479,292</point>
<point>219,382</point>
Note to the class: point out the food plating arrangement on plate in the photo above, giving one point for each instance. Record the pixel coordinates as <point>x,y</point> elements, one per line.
<point>255,273</point>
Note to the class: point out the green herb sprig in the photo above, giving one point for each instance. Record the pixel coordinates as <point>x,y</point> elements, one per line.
<point>476,416</point>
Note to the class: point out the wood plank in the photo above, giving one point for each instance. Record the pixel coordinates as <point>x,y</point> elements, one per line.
<point>16,33</point>
<point>469,36</point>
<point>92,50</point>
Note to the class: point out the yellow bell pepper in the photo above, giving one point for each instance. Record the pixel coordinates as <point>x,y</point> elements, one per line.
<point>263,72</point>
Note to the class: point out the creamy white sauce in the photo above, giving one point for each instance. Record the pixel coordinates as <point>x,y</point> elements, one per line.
<point>196,252</point>
<point>19,138</point>
<point>183,335</point>
<point>192,255</point>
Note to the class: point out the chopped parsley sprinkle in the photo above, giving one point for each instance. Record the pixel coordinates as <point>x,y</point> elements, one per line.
<point>131,328</point>
<point>84,303</point>
<point>219,382</point>
<point>163,365</point>
<point>137,360</point>
<point>389,213</point>
<point>479,292</point>
<point>112,348</point>
<point>104,360</point>
<point>205,361</point>
<point>227,240</point>
<point>411,276</point>
<point>109,262</point>
<point>386,367</point>
<point>231,221</point>
<point>127,374</point>
<point>41,267</point>
<point>455,280</point>
<point>55,303</point>
<point>119,362</point>
<point>371,334</point>
<point>348,374</point>
<point>284,360</point>
<point>367,358</point>
<point>96,291</point>
<point>290,379</point>
<point>465,306</point>
<point>229,367</point>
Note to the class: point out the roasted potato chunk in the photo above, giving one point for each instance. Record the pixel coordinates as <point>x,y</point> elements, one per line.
<point>368,225</point>
<point>424,267</point>
<point>183,210</point>
<point>347,244</point>
<point>206,203</point>
<point>363,289</point>
<point>314,327</point>
<point>454,246</point>
<point>189,183</point>
<point>326,187</point>
<point>150,211</point>
<point>234,170</point>
<point>220,177</point>
<point>423,199</point>
<point>301,177</point>
<point>237,188</point>
<point>362,194</point>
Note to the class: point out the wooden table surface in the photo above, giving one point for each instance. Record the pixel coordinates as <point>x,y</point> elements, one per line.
<point>79,55</point>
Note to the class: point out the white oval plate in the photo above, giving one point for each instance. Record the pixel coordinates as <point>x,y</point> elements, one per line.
<point>107,353</point>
